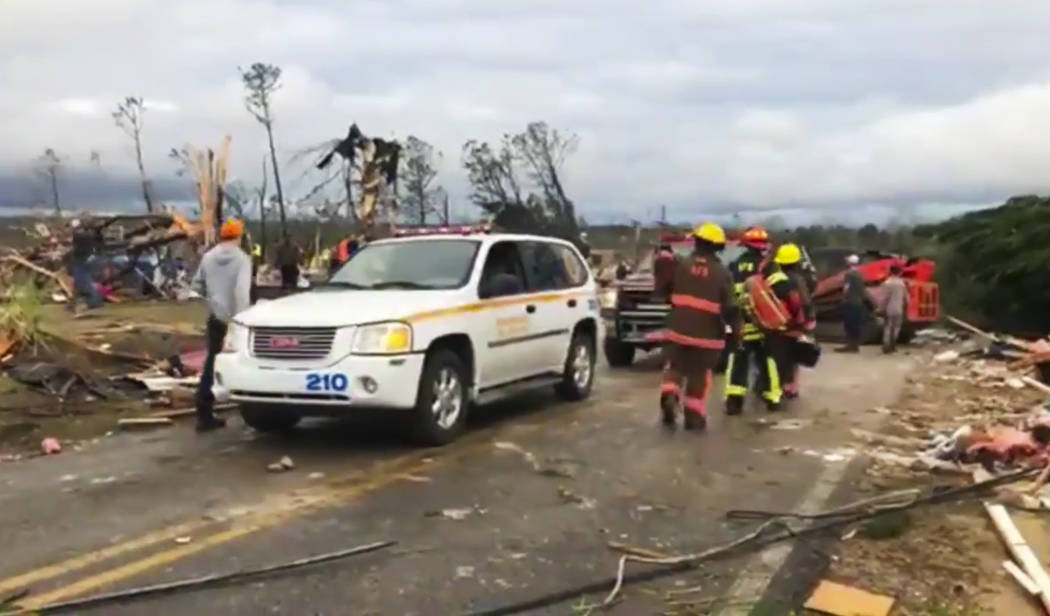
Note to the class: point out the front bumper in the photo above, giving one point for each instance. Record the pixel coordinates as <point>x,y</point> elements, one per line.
<point>638,324</point>
<point>396,382</point>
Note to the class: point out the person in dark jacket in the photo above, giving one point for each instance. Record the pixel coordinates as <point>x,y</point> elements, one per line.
<point>85,242</point>
<point>855,302</point>
<point>287,262</point>
<point>752,348</point>
<point>702,304</point>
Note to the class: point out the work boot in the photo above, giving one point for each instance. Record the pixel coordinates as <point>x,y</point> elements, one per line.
<point>211,423</point>
<point>695,421</point>
<point>668,409</point>
<point>734,405</point>
<point>773,407</point>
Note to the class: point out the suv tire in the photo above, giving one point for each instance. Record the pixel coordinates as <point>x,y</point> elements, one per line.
<point>269,418</point>
<point>442,401</point>
<point>618,354</point>
<point>578,375</point>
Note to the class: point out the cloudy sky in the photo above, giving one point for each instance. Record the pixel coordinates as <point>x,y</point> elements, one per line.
<point>824,109</point>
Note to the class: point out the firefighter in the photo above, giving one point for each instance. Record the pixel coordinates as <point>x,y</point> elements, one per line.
<point>752,340</point>
<point>790,289</point>
<point>702,304</point>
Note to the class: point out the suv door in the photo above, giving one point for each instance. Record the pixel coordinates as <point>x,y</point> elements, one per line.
<point>510,349</point>
<point>557,273</point>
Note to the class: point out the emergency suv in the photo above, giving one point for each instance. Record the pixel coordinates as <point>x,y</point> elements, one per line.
<point>426,325</point>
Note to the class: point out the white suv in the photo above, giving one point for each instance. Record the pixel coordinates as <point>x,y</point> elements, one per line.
<point>429,323</point>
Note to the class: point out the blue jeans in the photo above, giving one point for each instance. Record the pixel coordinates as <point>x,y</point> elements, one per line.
<point>853,321</point>
<point>83,284</point>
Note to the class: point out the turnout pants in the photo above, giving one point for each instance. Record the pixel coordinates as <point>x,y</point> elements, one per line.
<point>687,375</point>
<point>739,367</point>
<point>779,348</point>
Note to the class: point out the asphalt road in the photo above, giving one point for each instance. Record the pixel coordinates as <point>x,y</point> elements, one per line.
<point>522,506</point>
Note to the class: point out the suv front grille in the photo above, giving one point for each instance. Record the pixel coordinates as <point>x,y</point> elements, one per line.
<point>292,342</point>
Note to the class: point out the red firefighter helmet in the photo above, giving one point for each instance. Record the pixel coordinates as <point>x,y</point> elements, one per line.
<point>755,237</point>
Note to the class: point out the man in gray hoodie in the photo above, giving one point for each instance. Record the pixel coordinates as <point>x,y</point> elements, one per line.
<point>224,278</point>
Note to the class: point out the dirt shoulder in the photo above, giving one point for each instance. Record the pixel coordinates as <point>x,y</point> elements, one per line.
<point>947,559</point>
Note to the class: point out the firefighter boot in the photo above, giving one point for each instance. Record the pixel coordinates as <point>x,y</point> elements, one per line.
<point>668,409</point>
<point>695,421</point>
<point>734,405</point>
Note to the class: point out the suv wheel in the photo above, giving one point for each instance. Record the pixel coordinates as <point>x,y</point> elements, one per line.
<point>578,376</point>
<point>618,354</point>
<point>441,404</point>
<point>265,418</point>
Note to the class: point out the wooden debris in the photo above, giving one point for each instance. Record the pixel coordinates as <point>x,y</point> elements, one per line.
<point>60,280</point>
<point>1020,550</point>
<point>841,600</point>
<point>131,423</point>
<point>1043,387</point>
<point>1021,577</point>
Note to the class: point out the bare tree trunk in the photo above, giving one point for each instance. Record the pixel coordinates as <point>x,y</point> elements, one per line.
<point>142,174</point>
<point>422,198</point>
<point>54,191</point>
<point>351,213</point>
<point>277,179</point>
<point>262,212</point>
<point>444,211</point>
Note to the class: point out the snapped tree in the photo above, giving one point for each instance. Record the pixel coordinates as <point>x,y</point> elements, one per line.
<point>129,117</point>
<point>518,182</point>
<point>260,82</point>
<point>47,167</point>
<point>420,198</point>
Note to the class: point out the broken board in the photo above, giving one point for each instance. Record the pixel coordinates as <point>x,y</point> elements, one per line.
<point>841,600</point>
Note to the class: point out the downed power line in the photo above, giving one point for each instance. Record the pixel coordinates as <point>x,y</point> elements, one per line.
<point>202,582</point>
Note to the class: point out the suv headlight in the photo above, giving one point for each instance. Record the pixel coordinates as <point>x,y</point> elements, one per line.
<point>382,338</point>
<point>607,297</point>
<point>236,338</point>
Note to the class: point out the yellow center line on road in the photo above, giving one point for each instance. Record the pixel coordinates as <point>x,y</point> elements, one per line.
<point>251,524</point>
<point>279,508</point>
<point>188,528</point>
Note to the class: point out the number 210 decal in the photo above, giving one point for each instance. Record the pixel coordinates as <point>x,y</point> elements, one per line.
<point>326,382</point>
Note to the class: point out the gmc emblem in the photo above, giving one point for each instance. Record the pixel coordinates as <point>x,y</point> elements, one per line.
<point>284,342</point>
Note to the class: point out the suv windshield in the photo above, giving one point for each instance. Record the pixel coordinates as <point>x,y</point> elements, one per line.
<point>422,264</point>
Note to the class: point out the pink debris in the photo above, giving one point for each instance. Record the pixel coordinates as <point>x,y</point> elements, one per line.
<point>193,361</point>
<point>50,446</point>
<point>1006,444</point>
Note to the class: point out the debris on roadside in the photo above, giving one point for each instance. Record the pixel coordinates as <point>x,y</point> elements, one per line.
<point>138,423</point>
<point>581,502</point>
<point>456,514</point>
<point>50,446</point>
<point>283,465</point>
<point>841,600</point>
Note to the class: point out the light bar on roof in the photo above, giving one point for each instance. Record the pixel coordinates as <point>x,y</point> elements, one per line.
<point>445,230</point>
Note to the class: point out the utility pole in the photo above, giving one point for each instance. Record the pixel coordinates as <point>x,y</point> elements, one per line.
<point>663,215</point>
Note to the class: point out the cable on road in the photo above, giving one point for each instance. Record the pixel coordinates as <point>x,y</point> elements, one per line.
<point>850,514</point>
<point>202,582</point>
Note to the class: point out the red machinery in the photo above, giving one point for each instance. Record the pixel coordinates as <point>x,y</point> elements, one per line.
<point>923,293</point>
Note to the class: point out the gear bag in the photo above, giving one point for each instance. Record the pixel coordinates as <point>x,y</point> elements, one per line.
<point>769,312</point>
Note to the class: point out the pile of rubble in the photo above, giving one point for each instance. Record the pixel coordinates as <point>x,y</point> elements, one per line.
<point>132,256</point>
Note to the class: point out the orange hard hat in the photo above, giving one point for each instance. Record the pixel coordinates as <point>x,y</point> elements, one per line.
<point>756,237</point>
<point>232,229</point>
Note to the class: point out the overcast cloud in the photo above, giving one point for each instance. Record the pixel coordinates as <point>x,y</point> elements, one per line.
<point>884,108</point>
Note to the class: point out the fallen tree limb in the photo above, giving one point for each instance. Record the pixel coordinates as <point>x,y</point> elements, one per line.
<point>201,582</point>
<point>753,540</point>
<point>43,272</point>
